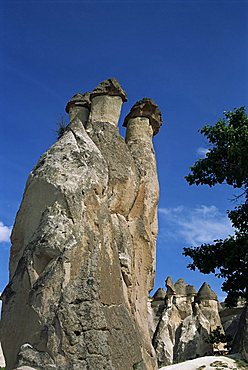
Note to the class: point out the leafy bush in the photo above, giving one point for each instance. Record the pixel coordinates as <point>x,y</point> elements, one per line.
<point>217,336</point>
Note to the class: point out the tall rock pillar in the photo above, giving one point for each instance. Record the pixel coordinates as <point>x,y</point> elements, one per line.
<point>83,245</point>
<point>143,122</point>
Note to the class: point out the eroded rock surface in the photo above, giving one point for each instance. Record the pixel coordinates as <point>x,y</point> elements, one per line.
<point>182,320</point>
<point>83,244</point>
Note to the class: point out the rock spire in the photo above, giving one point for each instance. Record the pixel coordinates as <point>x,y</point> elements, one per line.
<point>83,245</point>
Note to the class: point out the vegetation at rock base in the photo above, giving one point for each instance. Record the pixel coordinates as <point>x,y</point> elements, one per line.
<point>61,127</point>
<point>242,364</point>
<point>226,162</point>
<point>217,336</point>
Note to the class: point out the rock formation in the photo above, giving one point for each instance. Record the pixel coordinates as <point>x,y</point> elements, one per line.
<point>83,244</point>
<point>240,341</point>
<point>235,324</point>
<point>182,320</point>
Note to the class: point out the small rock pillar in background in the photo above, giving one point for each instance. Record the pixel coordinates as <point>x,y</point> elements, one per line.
<point>182,320</point>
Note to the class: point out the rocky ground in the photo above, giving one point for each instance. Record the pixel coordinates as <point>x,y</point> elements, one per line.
<point>208,363</point>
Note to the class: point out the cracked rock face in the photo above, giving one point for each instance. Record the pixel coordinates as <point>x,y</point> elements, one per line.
<point>83,248</point>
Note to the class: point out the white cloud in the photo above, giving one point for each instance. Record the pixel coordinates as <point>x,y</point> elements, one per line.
<point>5,232</point>
<point>202,151</point>
<point>202,224</point>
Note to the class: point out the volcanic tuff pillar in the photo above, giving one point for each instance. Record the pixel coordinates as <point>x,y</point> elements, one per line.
<point>83,244</point>
<point>144,121</point>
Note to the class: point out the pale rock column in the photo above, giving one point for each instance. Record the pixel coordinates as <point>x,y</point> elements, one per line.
<point>143,122</point>
<point>106,102</point>
<point>209,305</point>
<point>184,297</point>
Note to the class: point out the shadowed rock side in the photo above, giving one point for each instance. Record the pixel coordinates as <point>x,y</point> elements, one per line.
<point>83,245</point>
<point>238,328</point>
<point>181,321</point>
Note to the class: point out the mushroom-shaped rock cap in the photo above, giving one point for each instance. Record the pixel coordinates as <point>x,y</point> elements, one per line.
<point>159,295</point>
<point>109,87</point>
<point>82,100</point>
<point>170,286</point>
<point>149,109</point>
<point>205,292</point>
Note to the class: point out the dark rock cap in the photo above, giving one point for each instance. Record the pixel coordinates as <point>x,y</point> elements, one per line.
<point>159,295</point>
<point>149,109</point>
<point>109,87</point>
<point>205,292</point>
<point>190,290</point>
<point>79,99</point>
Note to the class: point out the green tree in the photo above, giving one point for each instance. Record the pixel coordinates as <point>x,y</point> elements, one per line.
<point>217,336</point>
<point>226,162</point>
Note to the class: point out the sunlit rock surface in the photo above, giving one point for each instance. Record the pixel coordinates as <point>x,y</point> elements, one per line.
<point>83,244</point>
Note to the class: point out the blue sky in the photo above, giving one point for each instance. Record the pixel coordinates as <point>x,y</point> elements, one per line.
<point>189,56</point>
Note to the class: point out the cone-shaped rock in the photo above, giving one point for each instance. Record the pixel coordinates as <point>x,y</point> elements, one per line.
<point>180,287</point>
<point>159,295</point>
<point>205,292</point>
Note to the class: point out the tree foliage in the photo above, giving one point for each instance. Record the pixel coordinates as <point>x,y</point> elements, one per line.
<point>226,162</point>
<point>217,336</point>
